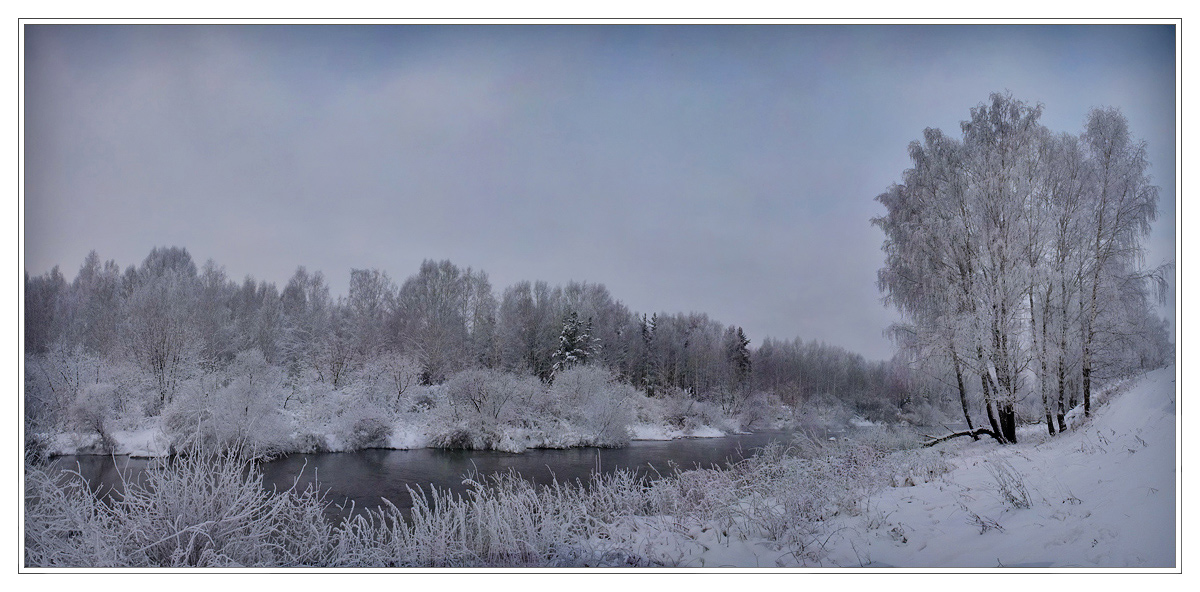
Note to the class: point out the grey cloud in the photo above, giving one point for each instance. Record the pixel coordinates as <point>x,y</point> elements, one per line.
<point>729,170</point>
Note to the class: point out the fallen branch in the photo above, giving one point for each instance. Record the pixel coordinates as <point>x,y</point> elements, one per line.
<point>973,433</point>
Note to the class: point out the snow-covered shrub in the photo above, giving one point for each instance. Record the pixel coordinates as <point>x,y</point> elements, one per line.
<point>595,401</point>
<point>921,413</point>
<point>197,509</point>
<point>879,409</point>
<point>368,432</point>
<point>392,376</point>
<point>678,409</point>
<point>54,380</point>
<point>241,406</point>
<point>92,412</point>
<point>483,409</point>
<point>1009,484</point>
<point>418,399</point>
<point>647,410</point>
<point>308,442</point>
<point>308,402</point>
<point>823,414</point>
<point>683,412</point>
<point>759,411</point>
<point>356,418</point>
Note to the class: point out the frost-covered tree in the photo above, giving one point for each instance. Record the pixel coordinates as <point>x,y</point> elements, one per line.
<point>43,319</point>
<point>481,312</point>
<point>1000,246</point>
<point>160,327</point>
<point>575,344</point>
<point>370,302</point>
<point>737,357</point>
<point>305,309</point>
<point>430,321</point>
<point>94,305</point>
<point>529,325</point>
<point>1121,203</point>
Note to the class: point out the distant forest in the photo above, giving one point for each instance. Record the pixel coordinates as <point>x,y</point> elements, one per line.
<point>170,320</point>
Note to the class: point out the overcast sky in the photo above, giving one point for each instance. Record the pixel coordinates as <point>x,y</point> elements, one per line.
<point>719,169</point>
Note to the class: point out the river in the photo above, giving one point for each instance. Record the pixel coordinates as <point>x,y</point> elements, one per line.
<point>359,479</point>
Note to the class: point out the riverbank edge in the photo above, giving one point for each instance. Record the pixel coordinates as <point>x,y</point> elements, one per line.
<point>151,442</point>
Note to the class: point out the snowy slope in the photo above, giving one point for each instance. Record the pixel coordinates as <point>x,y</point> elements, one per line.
<point>1103,495</point>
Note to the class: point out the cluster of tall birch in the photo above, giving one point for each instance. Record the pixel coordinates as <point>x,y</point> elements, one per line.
<point>1015,256</point>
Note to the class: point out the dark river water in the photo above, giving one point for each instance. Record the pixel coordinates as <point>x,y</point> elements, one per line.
<point>361,478</point>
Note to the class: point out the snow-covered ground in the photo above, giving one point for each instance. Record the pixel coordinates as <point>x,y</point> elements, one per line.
<point>1101,496</point>
<point>405,435</point>
<point>145,442</point>
<point>644,431</point>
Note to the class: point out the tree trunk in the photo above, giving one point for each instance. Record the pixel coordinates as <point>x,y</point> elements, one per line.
<point>990,405</point>
<point>1065,301</point>
<point>1004,398</point>
<point>1008,421</point>
<point>962,392</point>
<point>1086,361</point>
<point>985,379</point>
<point>1062,394</point>
<point>1042,376</point>
<point>973,433</point>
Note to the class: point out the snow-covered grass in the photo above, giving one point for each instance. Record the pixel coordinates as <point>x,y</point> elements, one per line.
<point>193,510</point>
<point>204,510</point>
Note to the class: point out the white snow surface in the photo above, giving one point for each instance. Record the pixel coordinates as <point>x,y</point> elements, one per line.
<point>1103,496</point>
<point>860,422</point>
<point>647,431</point>
<point>143,442</point>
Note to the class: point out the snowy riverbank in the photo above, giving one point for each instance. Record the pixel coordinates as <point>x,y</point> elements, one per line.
<point>151,442</point>
<point>1100,496</point>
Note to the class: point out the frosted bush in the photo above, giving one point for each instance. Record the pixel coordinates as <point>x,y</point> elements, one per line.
<point>240,407</point>
<point>194,510</point>
<point>360,420</point>
<point>486,409</point>
<point>418,399</point>
<point>392,377</point>
<point>1010,486</point>
<point>823,414</point>
<point>759,411</point>
<point>921,413</point>
<point>595,401</point>
<point>678,409</point>
<point>92,410</point>
<point>369,432</point>
<point>647,410</point>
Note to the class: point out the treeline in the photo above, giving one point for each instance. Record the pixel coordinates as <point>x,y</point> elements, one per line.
<point>1015,255</point>
<point>144,332</point>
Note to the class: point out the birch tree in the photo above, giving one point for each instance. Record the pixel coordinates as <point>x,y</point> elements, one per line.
<point>1023,249</point>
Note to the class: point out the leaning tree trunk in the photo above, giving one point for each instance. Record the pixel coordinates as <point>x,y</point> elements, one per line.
<point>1008,420</point>
<point>1005,412</point>
<point>962,392</point>
<point>990,405</point>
